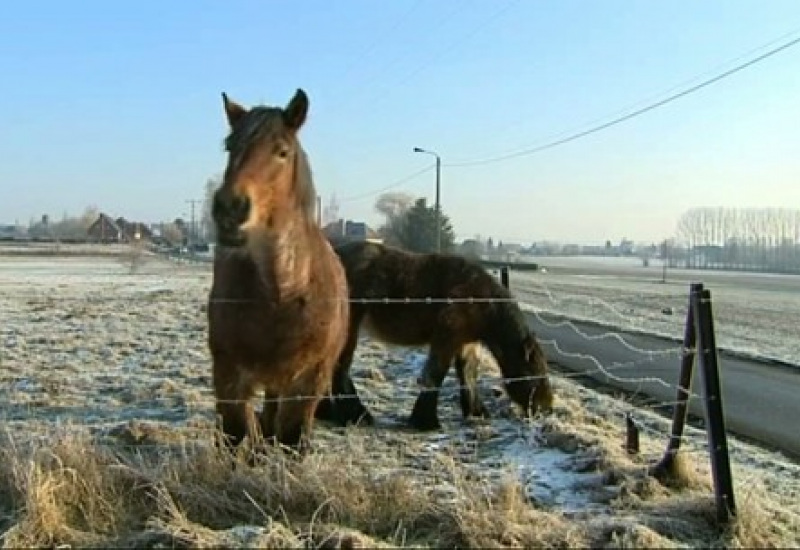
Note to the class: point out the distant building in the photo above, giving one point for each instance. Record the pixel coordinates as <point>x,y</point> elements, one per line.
<point>135,231</point>
<point>11,232</point>
<point>342,231</point>
<point>108,230</point>
<point>105,230</point>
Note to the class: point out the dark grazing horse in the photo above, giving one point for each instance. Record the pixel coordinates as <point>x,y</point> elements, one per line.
<point>278,309</point>
<point>467,306</point>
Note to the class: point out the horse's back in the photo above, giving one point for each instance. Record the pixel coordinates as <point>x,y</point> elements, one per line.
<point>375,271</point>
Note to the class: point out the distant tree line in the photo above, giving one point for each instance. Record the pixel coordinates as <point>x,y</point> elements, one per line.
<point>67,228</point>
<point>763,239</point>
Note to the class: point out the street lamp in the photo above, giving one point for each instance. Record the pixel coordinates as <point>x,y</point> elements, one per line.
<point>436,207</point>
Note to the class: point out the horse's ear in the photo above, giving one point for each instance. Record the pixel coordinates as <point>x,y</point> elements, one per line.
<point>233,110</point>
<point>295,112</point>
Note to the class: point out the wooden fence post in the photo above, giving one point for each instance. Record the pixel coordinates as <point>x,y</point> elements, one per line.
<point>715,418</point>
<point>684,387</point>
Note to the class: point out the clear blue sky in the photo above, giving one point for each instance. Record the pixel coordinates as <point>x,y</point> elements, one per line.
<point>117,104</point>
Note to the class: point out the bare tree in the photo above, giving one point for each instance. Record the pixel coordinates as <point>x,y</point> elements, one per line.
<point>394,206</point>
<point>750,238</point>
<point>172,233</point>
<point>208,229</point>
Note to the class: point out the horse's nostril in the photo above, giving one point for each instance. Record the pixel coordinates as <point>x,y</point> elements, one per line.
<point>241,207</point>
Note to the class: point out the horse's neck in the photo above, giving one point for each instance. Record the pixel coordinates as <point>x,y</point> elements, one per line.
<point>283,259</point>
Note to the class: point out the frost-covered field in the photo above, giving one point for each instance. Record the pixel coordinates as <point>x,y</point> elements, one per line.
<point>754,314</point>
<point>107,407</point>
<point>12,248</point>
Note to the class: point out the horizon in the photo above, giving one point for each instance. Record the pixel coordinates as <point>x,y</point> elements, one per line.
<point>525,242</point>
<point>119,106</point>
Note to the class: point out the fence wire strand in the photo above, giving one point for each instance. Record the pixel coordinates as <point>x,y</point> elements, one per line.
<point>606,335</point>
<point>529,284</point>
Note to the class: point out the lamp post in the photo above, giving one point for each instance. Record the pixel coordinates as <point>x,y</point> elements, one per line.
<point>437,208</point>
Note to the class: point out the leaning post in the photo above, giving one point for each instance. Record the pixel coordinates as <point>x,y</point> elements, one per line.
<point>715,417</point>
<point>684,387</point>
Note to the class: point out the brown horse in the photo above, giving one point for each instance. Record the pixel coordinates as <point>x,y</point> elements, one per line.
<point>278,309</point>
<point>376,272</point>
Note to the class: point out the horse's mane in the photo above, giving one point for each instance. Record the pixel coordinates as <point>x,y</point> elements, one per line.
<point>261,124</point>
<point>304,182</point>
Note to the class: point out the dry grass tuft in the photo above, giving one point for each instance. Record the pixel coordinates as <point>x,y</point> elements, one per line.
<point>82,494</point>
<point>149,485</point>
<point>679,473</point>
<point>763,521</point>
<point>506,518</point>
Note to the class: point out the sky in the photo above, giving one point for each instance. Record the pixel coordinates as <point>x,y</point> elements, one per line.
<point>117,105</point>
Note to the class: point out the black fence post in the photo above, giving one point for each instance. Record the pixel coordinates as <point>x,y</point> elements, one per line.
<point>684,387</point>
<point>504,276</point>
<point>715,418</point>
<point>631,435</point>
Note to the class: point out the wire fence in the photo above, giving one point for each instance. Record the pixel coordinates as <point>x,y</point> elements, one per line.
<point>628,373</point>
<point>158,296</point>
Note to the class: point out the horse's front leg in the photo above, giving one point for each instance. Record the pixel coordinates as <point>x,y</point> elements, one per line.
<point>232,402</point>
<point>424,416</point>
<point>268,418</point>
<point>295,422</point>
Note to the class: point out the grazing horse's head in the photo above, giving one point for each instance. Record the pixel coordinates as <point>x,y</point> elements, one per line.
<point>267,178</point>
<point>538,391</point>
<point>523,361</point>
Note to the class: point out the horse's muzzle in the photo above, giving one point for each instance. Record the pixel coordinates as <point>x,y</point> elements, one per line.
<point>229,212</point>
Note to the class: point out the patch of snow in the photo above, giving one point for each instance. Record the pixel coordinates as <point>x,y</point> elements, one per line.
<point>549,476</point>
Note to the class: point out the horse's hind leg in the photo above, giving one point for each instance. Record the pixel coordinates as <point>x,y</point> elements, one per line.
<point>349,409</point>
<point>471,404</point>
<point>424,416</point>
<point>344,406</point>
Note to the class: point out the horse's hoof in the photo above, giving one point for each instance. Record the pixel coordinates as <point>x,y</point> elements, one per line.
<point>297,451</point>
<point>365,419</point>
<point>326,411</point>
<point>424,424</point>
<point>480,412</point>
<point>354,415</point>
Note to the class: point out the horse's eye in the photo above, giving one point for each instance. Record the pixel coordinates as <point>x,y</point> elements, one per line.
<point>283,154</point>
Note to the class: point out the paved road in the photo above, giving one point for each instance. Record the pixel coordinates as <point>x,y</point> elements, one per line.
<point>761,401</point>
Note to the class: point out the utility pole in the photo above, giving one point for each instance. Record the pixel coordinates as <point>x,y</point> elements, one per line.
<point>192,227</point>
<point>438,206</point>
